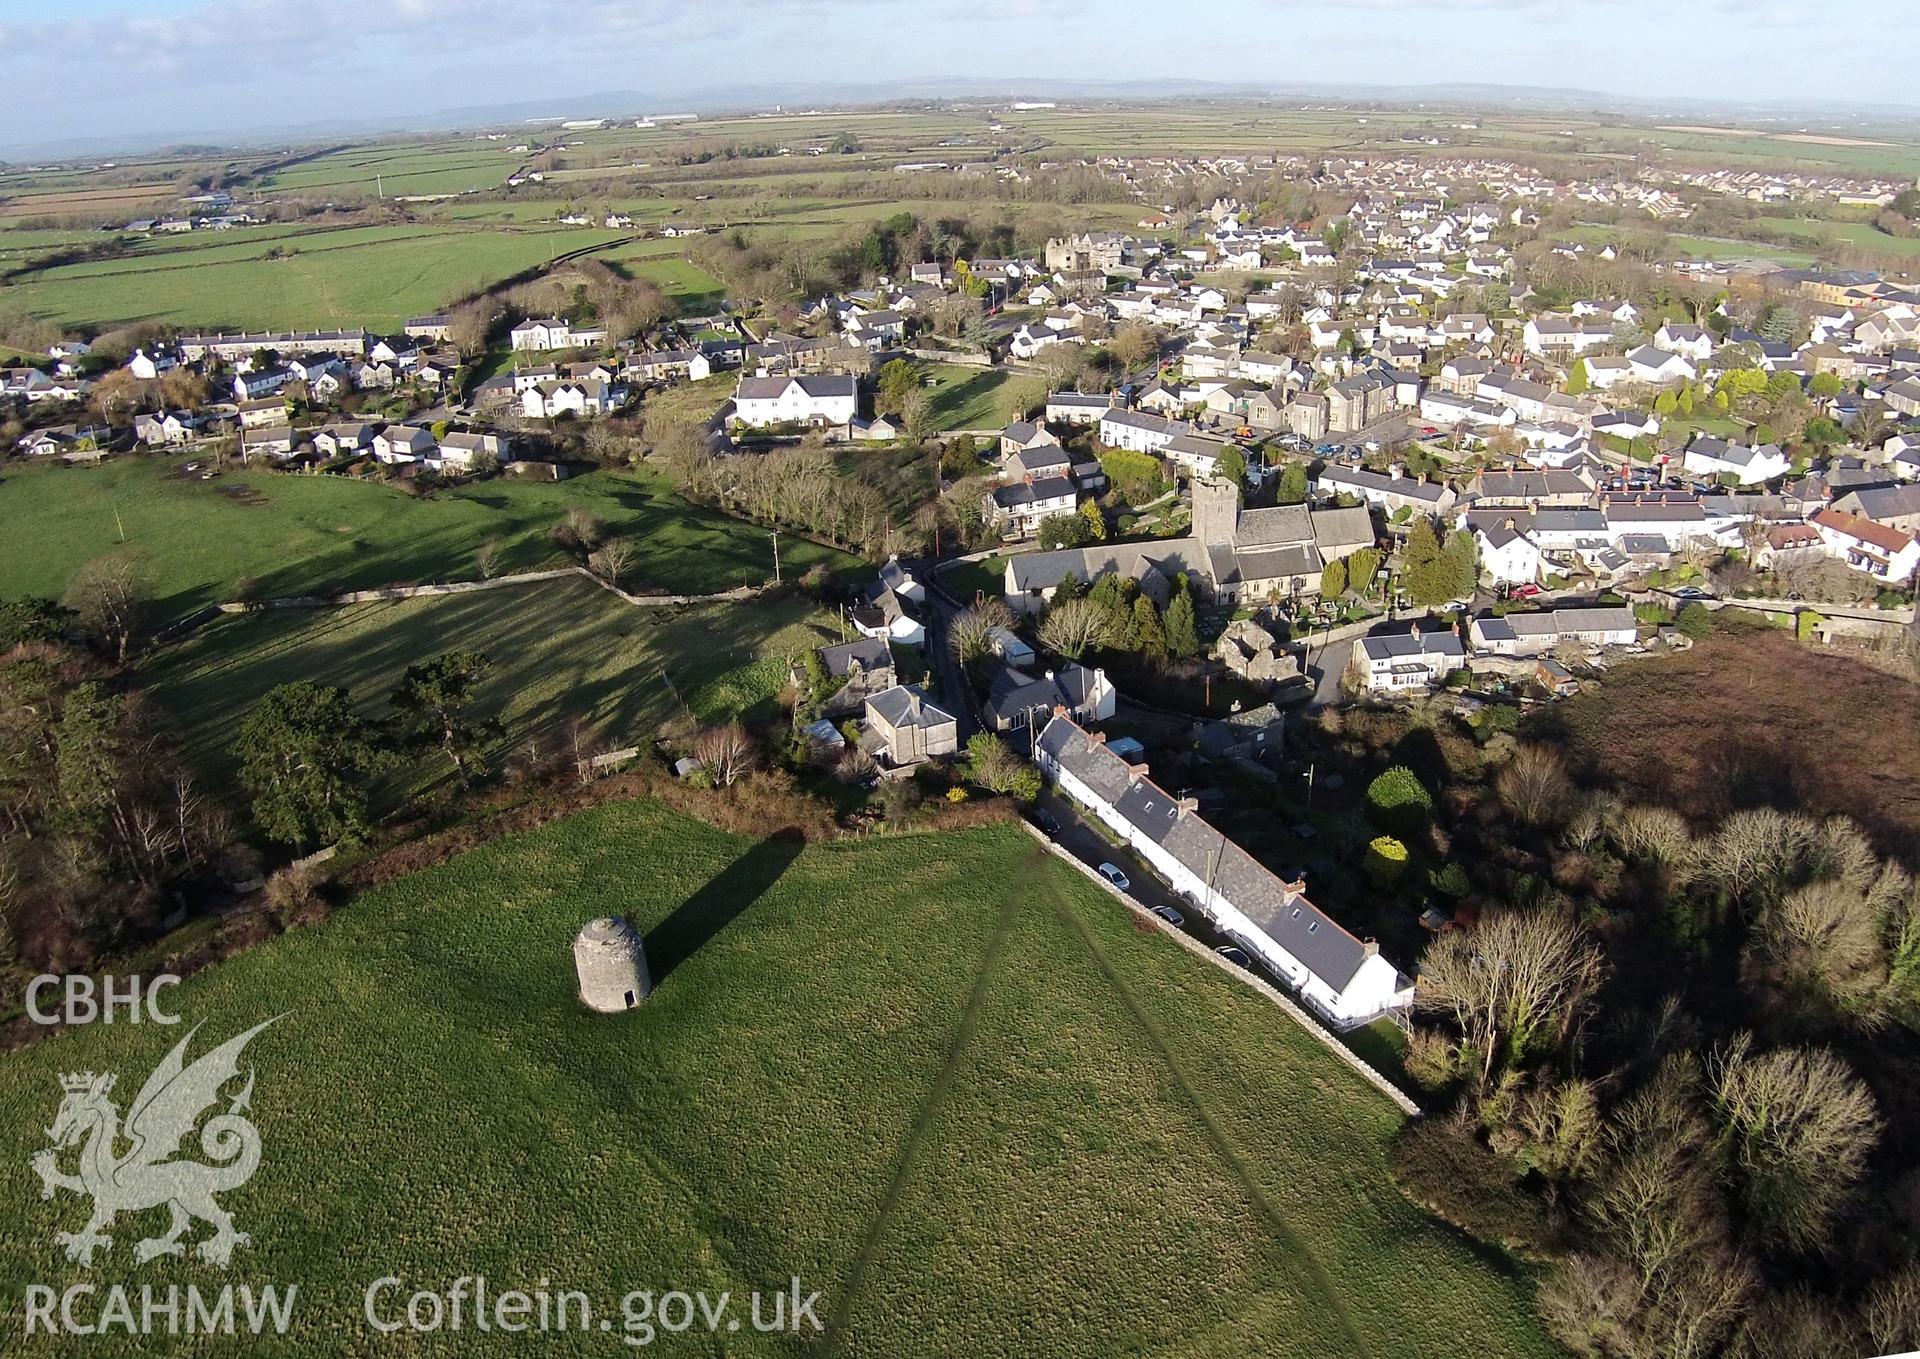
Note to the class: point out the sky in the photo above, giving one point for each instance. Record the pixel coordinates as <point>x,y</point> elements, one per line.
<point>141,69</point>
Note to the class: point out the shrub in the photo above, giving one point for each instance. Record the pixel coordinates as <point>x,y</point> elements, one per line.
<point>1386,861</point>
<point>1398,803</point>
<point>1451,880</point>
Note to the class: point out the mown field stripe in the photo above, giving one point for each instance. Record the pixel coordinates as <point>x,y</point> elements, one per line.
<point>836,1328</point>
<point>1295,1242</point>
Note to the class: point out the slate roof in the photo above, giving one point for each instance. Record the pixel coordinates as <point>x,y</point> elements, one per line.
<point>1019,493</point>
<point>1412,488</point>
<point>815,385</point>
<point>1299,927</point>
<point>869,653</point>
<point>1044,570</point>
<point>1528,485</point>
<point>908,706</point>
<point>1012,693</point>
<point>1396,646</point>
<point>1560,622</point>
<point>1883,502</point>
<point>1342,529</point>
<point>1276,524</point>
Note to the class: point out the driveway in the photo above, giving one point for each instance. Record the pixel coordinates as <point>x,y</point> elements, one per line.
<point>1326,664</point>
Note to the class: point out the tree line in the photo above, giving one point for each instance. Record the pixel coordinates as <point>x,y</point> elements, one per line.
<point>1684,1052</point>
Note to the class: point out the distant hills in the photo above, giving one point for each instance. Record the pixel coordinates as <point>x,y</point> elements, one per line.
<point>624,104</point>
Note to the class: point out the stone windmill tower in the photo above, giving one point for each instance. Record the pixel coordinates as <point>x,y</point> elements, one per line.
<point>612,965</point>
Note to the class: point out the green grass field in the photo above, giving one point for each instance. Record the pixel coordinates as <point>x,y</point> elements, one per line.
<point>687,284</point>
<point>561,650</point>
<point>965,398</point>
<point>293,535</point>
<point>365,276</point>
<point>1701,247</point>
<point>938,1078</point>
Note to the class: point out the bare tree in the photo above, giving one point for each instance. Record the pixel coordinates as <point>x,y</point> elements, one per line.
<point>1796,1325</point>
<point>583,743</point>
<point>1673,1284</point>
<point>108,602</point>
<point>1587,822</point>
<point>1656,835</point>
<point>1593,1304</point>
<point>1891,1313</point>
<point>1755,849</point>
<point>1565,1137</point>
<point>612,560</point>
<point>1063,364</point>
<point>468,325</point>
<point>1797,1127</point>
<point>1134,344</point>
<point>1534,786</point>
<point>1821,943</point>
<point>1075,628</point>
<point>1021,396</point>
<point>969,636</point>
<point>1512,985</point>
<point>581,530</point>
<point>916,415</point>
<point>727,752</point>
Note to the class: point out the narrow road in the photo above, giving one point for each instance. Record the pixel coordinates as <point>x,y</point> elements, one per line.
<point>1092,848</point>
<point>956,694</point>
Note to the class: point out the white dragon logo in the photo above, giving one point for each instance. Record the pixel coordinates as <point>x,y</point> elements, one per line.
<point>147,1176</point>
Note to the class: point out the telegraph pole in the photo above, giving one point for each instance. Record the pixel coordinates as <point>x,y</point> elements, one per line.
<point>776,556</point>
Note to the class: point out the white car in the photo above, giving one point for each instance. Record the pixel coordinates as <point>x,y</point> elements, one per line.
<point>1114,876</point>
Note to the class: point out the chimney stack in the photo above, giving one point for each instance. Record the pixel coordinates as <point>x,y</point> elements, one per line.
<point>1298,886</point>
<point>1188,806</point>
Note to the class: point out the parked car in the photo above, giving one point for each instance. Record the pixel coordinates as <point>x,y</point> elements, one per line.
<point>1234,955</point>
<point>1114,876</point>
<point>1171,916</point>
<point>1691,592</point>
<point>1047,821</point>
<point>1525,590</point>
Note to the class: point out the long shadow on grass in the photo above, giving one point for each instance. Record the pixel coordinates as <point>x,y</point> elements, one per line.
<point>715,906</point>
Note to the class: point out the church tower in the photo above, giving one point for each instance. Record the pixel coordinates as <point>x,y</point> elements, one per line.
<point>1216,511</point>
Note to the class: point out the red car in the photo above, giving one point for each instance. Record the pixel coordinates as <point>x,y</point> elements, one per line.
<point>1429,429</point>
<point>1525,591</point>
